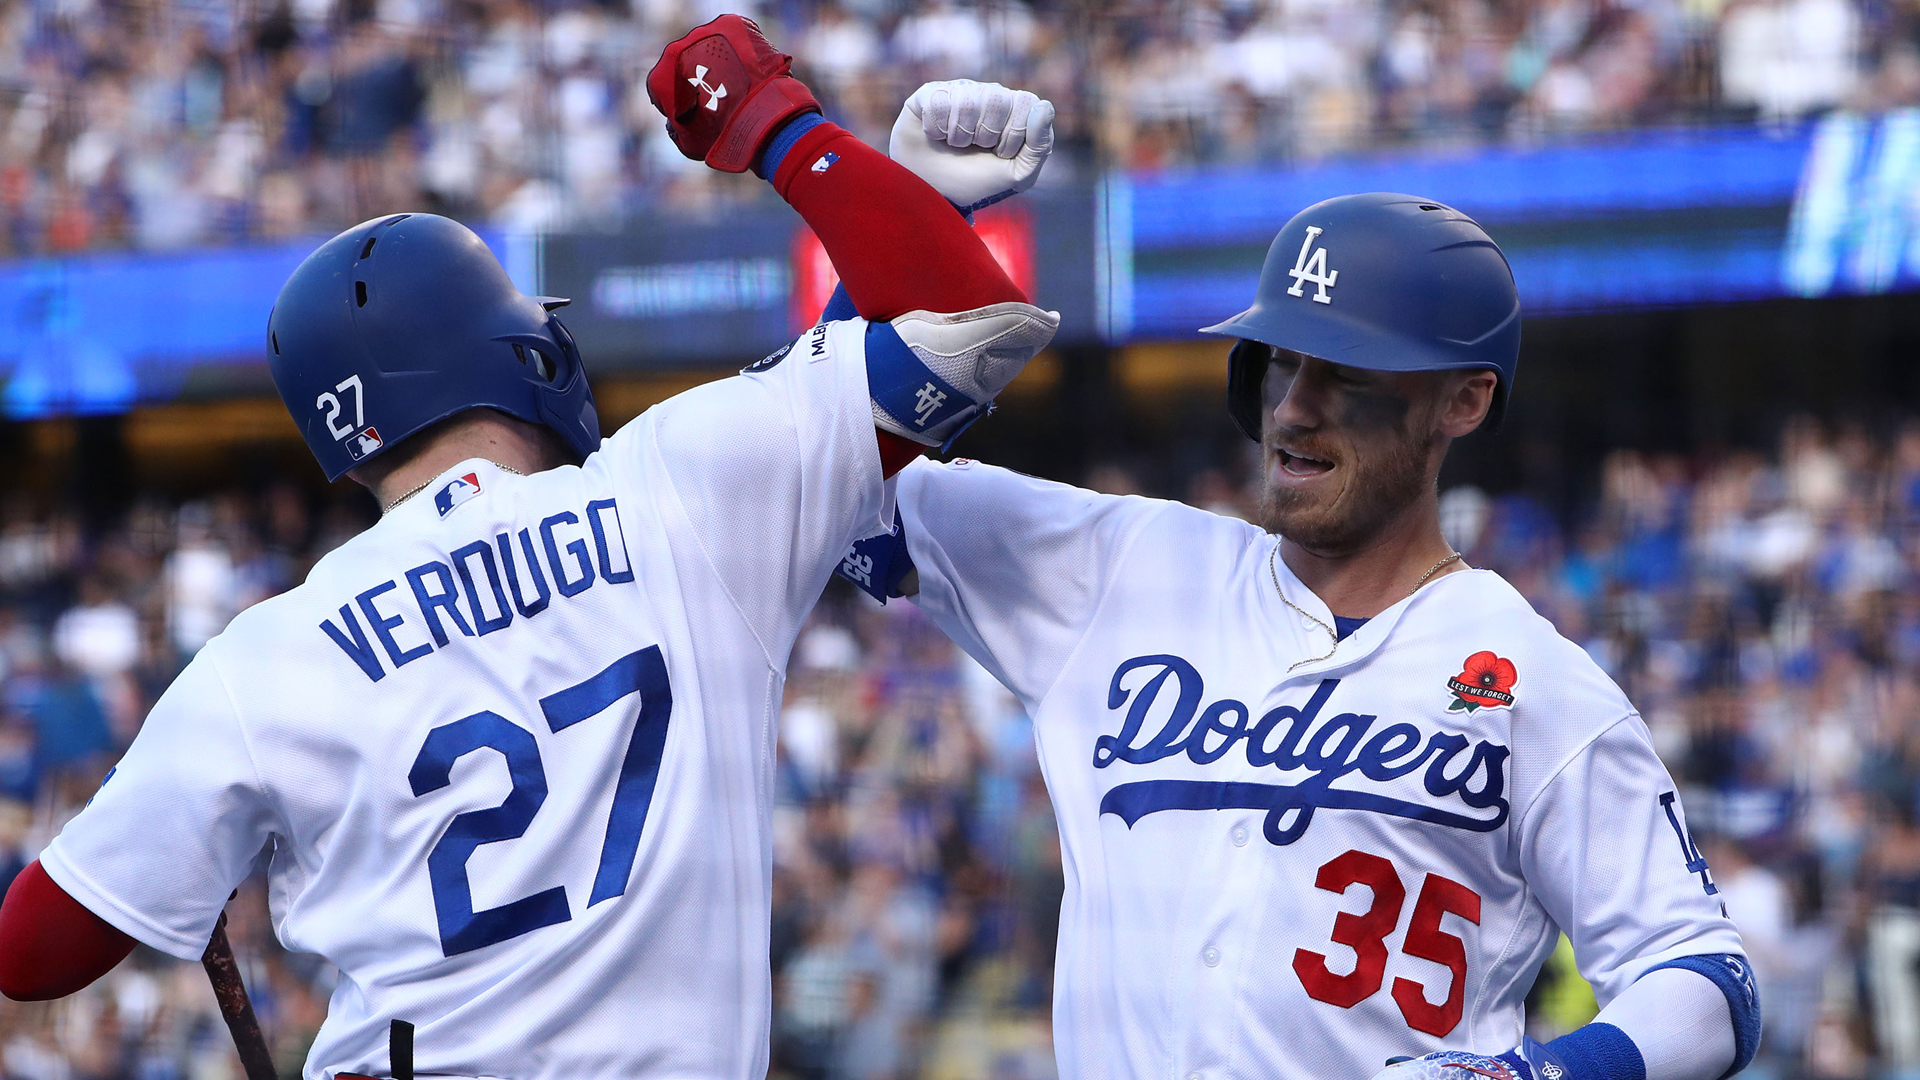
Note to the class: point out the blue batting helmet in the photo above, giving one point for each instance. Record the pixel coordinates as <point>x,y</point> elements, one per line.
<point>1380,281</point>
<point>405,320</point>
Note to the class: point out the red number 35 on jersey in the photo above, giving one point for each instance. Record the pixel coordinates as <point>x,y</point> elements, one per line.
<point>1366,933</point>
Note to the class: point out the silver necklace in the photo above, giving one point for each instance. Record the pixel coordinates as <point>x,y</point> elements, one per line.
<point>388,509</point>
<point>1274,573</point>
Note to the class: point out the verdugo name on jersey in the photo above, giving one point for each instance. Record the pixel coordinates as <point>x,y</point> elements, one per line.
<point>493,589</point>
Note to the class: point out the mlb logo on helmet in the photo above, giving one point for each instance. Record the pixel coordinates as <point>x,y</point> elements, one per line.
<point>457,491</point>
<point>365,442</point>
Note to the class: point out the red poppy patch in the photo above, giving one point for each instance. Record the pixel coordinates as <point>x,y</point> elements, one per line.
<point>1485,682</point>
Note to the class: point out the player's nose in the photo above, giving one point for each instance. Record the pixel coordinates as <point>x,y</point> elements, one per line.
<point>1299,400</point>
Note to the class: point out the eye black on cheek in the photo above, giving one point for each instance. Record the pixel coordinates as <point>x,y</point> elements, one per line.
<point>1373,410</point>
<point>1275,386</point>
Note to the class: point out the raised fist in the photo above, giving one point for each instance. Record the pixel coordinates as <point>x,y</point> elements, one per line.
<point>976,143</point>
<point>725,91</point>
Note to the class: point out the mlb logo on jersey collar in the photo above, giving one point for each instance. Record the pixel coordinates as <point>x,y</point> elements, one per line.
<point>457,491</point>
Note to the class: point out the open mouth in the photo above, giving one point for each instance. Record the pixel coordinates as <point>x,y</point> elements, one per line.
<point>1301,465</point>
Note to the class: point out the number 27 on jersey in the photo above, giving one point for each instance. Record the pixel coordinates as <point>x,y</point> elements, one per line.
<point>463,929</point>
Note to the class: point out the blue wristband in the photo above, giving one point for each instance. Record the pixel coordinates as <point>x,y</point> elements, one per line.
<point>1595,1052</point>
<point>776,149</point>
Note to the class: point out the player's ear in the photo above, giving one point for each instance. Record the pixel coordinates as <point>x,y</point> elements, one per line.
<point>1466,397</point>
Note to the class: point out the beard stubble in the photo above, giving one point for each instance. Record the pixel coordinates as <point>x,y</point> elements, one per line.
<point>1379,490</point>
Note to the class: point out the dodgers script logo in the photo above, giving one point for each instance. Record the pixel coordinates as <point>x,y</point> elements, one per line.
<point>1289,738</point>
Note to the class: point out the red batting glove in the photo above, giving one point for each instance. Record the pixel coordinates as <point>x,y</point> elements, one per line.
<point>725,90</point>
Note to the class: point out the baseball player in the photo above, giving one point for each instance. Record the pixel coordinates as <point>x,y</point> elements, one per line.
<point>1327,795</point>
<point>511,748</point>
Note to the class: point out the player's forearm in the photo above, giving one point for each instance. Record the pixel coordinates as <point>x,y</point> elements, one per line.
<point>896,242</point>
<point>1679,1021</point>
<point>1693,1018</point>
<point>947,329</point>
<point>50,945</point>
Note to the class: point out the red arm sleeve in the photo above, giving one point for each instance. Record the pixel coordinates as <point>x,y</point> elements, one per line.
<point>898,245</point>
<point>50,946</point>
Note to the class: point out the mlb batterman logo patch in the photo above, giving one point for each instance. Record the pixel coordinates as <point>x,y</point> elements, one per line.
<point>1485,682</point>
<point>365,442</point>
<point>457,491</point>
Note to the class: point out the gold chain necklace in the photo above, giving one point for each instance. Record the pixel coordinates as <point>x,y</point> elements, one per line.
<point>388,509</point>
<point>1274,573</point>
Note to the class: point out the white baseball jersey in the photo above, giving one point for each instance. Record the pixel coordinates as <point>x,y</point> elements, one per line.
<point>512,747</point>
<point>1287,859</point>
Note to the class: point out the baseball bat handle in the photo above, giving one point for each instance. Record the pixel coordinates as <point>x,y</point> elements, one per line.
<point>228,989</point>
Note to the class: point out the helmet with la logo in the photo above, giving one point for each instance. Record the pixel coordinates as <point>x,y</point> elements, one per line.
<point>1381,281</point>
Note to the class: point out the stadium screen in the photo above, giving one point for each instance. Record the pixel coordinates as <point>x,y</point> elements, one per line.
<point>1645,219</point>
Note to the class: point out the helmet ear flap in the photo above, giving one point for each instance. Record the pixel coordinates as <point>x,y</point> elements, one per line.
<point>1246,372</point>
<point>538,357</point>
<point>569,351</point>
<point>571,370</point>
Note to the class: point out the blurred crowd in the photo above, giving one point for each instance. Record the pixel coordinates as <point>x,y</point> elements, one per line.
<point>1762,608</point>
<point>1763,612</point>
<point>163,123</point>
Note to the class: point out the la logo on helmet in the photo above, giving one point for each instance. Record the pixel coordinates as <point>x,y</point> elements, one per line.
<point>1311,265</point>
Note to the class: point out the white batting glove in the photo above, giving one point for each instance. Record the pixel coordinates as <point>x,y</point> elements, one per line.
<point>975,142</point>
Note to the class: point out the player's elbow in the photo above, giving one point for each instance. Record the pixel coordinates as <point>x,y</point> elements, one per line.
<point>932,374</point>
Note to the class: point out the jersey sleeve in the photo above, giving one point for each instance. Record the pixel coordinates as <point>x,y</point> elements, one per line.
<point>778,470</point>
<point>1013,568</point>
<point>175,827</point>
<point>1606,849</point>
